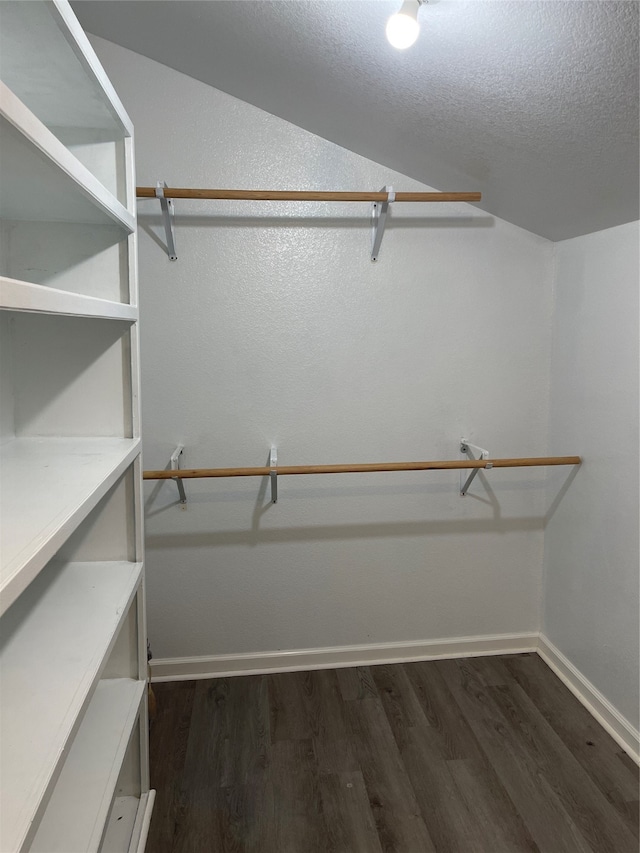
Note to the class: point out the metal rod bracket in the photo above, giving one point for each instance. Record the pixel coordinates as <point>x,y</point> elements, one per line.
<point>379,220</point>
<point>273,474</point>
<point>175,466</point>
<point>469,450</point>
<point>168,212</point>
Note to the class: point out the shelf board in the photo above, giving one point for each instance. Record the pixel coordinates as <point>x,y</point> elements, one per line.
<point>46,182</point>
<point>24,296</point>
<point>140,828</point>
<point>79,806</point>
<point>127,815</point>
<point>120,827</point>
<point>47,60</point>
<point>49,485</point>
<point>55,642</point>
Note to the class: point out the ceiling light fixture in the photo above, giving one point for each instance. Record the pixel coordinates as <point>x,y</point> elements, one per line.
<point>403,27</point>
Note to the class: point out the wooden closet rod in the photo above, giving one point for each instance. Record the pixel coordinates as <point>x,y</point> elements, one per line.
<point>528,462</point>
<point>303,195</point>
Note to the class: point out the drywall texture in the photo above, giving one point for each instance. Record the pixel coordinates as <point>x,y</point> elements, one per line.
<point>275,327</point>
<point>591,555</point>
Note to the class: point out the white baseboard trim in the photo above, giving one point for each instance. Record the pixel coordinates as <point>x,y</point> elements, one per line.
<point>333,657</point>
<point>598,706</point>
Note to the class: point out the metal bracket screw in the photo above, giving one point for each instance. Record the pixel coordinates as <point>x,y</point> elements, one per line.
<point>175,466</point>
<point>468,449</point>
<point>167,208</point>
<point>379,213</point>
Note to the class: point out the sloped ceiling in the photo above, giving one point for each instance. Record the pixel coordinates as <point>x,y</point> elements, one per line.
<point>534,103</point>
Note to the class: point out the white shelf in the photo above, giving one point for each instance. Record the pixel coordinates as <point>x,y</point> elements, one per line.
<point>47,60</point>
<point>46,182</point>
<point>73,740</point>
<point>120,827</point>
<point>80,803</point>
<point>127,815</point>
<point>141,826</point>
<point>55,643</point>
<point>49,485</point>
<point>23,296</point>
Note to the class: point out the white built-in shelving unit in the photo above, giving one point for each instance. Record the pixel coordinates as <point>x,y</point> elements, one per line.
<point>73,713</point>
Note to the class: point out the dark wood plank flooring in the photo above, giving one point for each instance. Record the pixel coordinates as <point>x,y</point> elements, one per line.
<point>481,755</point>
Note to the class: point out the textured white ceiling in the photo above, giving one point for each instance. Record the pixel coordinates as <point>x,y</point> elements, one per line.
<point>535,102</point>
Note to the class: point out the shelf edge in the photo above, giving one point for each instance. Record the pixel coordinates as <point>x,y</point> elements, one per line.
<point>16,295</point>
<point>40,137</point>
<point>23,574</point>
<point>83,49</point>
<point>135,692</point>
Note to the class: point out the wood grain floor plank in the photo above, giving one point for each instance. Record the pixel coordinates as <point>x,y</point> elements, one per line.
<point>483,755</point>
<point>287,706</point>
<point>261,809</point>
<point>598,754</point>
<point>207,821</point>
<point>456,796</point>
<point>248,729</point>
<point>547,821</point>
<point>203,820</point>
<point>348,816</point>
<point>599,824</point>
<point>356,683</point>
<point>168,738</point>
<point>208,742</point>
<point>396,812</point>
<point>487,799</point>
<point>327,722</point>
<point>455,736</point>
<point>399,701</point>
<point>298,816</point>
<point>628,762</point>
<point>497,824</point>
<point>444,811</point>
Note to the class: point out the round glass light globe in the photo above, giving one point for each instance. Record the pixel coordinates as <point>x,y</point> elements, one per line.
<point>402,31</point>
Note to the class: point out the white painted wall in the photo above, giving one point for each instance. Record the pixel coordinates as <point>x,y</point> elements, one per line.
<point>274,326</point>
<point>591,560</point>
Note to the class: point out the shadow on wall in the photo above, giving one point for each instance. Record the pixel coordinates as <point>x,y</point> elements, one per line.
<point>255,535</point>
<point>564,488</point>
<point>149,222</point>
